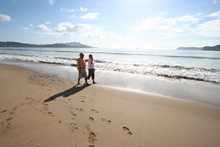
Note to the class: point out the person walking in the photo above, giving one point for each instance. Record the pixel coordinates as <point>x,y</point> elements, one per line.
<point>81,66</point>
<point>91,68</point>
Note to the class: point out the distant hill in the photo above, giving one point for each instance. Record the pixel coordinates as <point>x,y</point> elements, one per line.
<point>55,45</point>
<point>214,48</point>
<point>206,48</point>
<point>189,48</point>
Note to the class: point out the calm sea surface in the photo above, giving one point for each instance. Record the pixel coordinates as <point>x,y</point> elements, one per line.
<point>197,68</point>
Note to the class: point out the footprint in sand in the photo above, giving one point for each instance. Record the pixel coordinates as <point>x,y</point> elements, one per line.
<point>83,96</point>
<point>79,109</point>
<point>91,119</point>
<point>46,110</point>
<point>30,100</point>
<point>106,120</point>
<point>92,138</point>
<point>65,102</point>
<point>73,114</point>
<point>3,111</point>
<point>50,114</point>
<point>9,119</point>
<point>127,130</point>
<point>6,125</point>
<point>13,110</point>
<point>45,104</point>
<point>93,110</point>
<point>8,122</point>
<point>45,107</point>
<point>73,126</point>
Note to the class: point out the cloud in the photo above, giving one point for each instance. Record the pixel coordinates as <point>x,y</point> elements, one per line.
<point>4,18</point>
<point>187,18</point>
<point>71,10</point>
<point>90,16</point>
<point>166,27</point>
<point>43,28</point>
<point>96,32</point>
<point>51,2</point>
<point>63,28</point>
<point>215,14</point>
<point>83,9</point>
<point>204,25</point>
<point>209,28</point>
<point>68,10</point>
<point>69,27</point>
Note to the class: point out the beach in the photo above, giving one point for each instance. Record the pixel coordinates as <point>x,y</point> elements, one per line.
<point>39,109</point>
<point>175,73</point>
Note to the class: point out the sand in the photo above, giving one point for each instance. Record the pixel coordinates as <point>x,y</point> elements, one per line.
<point>42,110</point>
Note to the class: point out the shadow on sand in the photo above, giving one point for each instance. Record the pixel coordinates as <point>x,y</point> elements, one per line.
<point>67,92</point>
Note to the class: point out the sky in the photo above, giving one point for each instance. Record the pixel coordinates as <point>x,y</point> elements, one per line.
<point>120,24</point>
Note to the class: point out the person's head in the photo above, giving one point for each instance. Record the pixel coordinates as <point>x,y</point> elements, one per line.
<point>81,55</point>
<point>90,56</point>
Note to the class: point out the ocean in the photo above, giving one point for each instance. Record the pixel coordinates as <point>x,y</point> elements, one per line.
<point>186,74</point>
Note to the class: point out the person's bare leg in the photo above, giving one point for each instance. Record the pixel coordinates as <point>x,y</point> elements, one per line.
<point>78,81</point>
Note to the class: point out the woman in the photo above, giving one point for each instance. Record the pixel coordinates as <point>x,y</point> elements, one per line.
<point>91,68</point>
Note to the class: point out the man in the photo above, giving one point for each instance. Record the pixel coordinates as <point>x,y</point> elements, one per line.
<point>81,66</point>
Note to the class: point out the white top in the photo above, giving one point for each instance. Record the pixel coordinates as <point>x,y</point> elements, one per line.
<point>91,64</point>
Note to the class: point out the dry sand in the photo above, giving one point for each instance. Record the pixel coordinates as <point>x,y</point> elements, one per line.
<point>41,110</point>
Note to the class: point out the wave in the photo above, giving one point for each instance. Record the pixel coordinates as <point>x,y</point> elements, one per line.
<point>111,53</point>
<point>186,68</point>
<point>210,75</point>
<point>168,71</point>
<point>188,78</point>
<point>43,59</point>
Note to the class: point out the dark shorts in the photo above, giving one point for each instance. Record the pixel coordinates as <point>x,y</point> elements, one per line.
<point>91,73</point>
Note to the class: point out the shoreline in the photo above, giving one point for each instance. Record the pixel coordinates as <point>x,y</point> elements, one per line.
<point>50,111</point>
<point>200,92</point>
